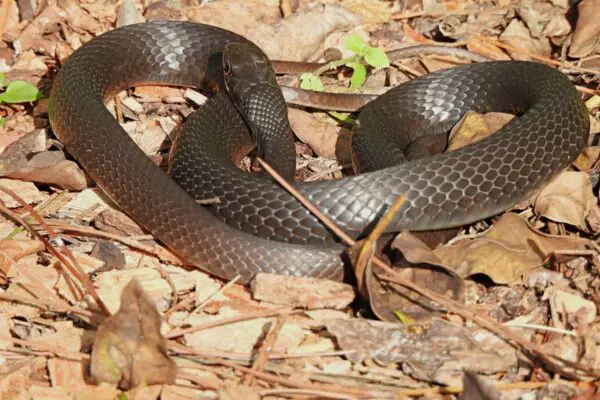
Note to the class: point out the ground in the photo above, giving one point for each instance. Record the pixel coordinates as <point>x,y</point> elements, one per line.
<point>511,302</point>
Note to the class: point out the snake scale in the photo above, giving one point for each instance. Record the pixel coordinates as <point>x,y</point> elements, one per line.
<point>263,228</point>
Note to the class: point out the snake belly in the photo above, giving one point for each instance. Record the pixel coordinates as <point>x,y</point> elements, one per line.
<point>446,190</point>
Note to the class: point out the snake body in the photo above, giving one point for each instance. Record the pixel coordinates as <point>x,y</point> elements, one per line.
<point>446,190</point>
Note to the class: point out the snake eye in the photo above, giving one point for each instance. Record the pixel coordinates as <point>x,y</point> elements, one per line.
<point>227,68</point>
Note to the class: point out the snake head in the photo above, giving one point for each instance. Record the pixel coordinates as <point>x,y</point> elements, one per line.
<point>245,67</point>
<point>251,85</point>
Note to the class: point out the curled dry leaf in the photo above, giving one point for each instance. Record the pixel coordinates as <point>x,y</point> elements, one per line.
<point>567,199</point>
<point>15,155</point>
<point>586,37</point>
<point>325,139</point>
<point>307,292</point>
<point>421,266</point>
<point>437,352</point>
<point>505,251</point>
<point>129,349</point>
<point>52,168</point>
<point>517,35</point>
<point>473,127</point>
<point>588,158</point>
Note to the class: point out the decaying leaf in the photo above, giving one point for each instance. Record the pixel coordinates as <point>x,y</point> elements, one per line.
<point>421,266</point>
<point>325,139</point>
<point>517,35</point>
<point>300,36</point>
<point>588,157</point>
<point>437,352</point>
<point>567,199</point>
<point>505,251</point>
<point>473,127</point>
<point>586,36</point>
<point>52,168</point>
<point>129,349</point>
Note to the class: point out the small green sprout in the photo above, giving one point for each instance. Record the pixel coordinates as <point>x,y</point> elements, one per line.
<point>373,56</point>
<point>16,92</point>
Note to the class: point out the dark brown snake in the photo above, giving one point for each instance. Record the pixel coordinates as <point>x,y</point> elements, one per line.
<point>446,190</point>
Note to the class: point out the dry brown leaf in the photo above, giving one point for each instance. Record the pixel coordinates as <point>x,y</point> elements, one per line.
<point>300,37</point>
<point>33,38</point>
<point>586,36</point>
<point>371,12</point>
<point>15,155</point>
<point>52,168</point>
<point>538,15</point>
<point>129,349</point>
<point>577,311</point>
<point>505,251</point>
<point>473,127</point>
<point>517,35</point>
<point>588,158</point>
<point>325,139</point>
<point>567,199</point>
<point>437,352</point>
<point>418,265</point>
<point>557,27</point>
<point>238,16</point>
<point>307,292</point>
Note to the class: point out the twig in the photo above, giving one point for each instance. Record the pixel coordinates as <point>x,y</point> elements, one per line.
<point>267,346</point>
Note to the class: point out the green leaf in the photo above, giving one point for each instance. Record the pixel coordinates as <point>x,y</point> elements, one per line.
<point>359,76</point>
<point>356,44</point>
<point>310,81</point>
<point>376,58</point>
<point>403,318</point>
<point>2,80</point>
<point>19,92</point>
<point>2,122</point>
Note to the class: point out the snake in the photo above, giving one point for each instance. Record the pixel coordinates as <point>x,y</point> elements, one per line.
<point>258,226</point>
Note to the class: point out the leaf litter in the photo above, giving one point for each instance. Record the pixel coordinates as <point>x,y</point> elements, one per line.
<point>534,269</point>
